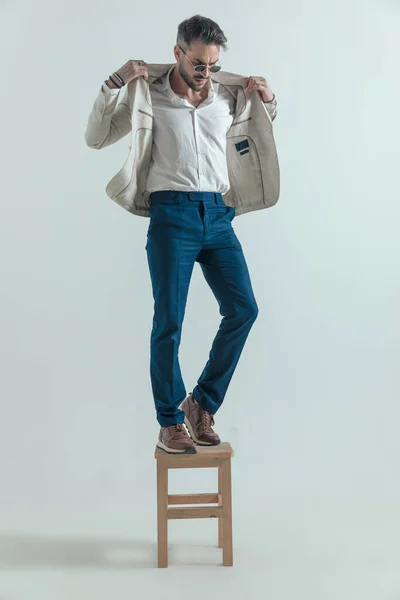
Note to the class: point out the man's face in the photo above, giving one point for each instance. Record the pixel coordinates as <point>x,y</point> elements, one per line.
<point>198,53</point>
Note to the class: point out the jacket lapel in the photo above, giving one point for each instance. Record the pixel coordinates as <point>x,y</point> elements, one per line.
<point>232,81</point>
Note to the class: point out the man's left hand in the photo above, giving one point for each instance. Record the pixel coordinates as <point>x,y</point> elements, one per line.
<point>261,85</point>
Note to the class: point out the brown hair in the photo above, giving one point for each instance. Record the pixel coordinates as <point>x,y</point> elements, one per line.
<point>203,29</point>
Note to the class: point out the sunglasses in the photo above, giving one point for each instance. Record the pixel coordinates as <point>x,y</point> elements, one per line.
<point>201,68</point>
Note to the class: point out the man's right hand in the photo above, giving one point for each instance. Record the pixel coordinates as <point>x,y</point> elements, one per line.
<point>131,70</point>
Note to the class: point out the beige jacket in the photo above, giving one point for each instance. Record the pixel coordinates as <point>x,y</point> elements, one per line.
<point>251,153</point>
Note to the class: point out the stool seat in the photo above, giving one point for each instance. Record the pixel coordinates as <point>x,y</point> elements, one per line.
<point>223,450</point>
<point>206,457</point>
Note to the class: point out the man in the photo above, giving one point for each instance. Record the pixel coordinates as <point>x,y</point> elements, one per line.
<point>186,179</point>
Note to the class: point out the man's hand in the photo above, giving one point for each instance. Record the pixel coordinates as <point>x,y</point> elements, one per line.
<point>132,69</point>
<point>261,85</point>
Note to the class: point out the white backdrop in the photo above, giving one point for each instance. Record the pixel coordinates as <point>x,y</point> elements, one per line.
<point>313,408</point>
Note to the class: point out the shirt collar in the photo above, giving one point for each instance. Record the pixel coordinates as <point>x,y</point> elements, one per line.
<point>166,87</point>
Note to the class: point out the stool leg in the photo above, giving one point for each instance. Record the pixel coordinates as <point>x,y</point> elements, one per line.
<point>220,520</point>
<point>227,543</point>
<point>162,517</point>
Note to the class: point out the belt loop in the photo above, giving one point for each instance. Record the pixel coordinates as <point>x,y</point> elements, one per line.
<point>215,198</point>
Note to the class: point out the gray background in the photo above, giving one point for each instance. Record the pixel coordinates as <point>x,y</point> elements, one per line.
<point>312,411</point>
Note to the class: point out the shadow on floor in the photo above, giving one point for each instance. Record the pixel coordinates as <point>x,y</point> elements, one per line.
<point>19,550</point>
<point>29,550</point>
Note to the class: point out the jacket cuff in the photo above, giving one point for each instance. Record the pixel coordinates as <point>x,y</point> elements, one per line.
<point>272,100</point>
<point>107,90</point>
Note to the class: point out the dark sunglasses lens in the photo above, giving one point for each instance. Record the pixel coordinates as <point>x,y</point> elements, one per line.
<point>202,68</point>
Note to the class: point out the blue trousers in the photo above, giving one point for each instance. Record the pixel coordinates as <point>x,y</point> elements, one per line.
<point>189,227</point>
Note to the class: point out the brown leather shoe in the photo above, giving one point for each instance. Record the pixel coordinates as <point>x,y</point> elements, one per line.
<point>199,423</point>
<point>175,440</point>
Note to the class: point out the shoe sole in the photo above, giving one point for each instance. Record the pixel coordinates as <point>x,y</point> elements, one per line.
<point>188,450</point>
<point>194,438</point>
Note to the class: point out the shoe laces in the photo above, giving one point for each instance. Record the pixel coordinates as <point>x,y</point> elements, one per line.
<point>207,420</point>
<point>178,426</point>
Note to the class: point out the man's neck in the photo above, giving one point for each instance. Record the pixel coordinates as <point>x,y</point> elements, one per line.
<point>180,87</point>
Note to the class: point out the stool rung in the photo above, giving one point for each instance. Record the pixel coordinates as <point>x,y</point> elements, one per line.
<point>193,499</point>
<point>206,512</point>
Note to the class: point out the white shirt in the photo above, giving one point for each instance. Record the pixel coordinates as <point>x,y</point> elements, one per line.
<point>189,143</point>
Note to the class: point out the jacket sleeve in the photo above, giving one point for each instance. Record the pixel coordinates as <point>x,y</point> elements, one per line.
<point>108,121</point>
<point>271,108</point>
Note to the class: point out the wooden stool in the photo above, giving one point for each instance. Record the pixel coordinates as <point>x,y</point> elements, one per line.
<point>206,457</point>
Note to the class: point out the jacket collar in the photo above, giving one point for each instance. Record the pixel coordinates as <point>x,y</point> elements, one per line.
<point>235,83</point>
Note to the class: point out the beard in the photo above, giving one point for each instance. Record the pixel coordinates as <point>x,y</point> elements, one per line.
<point>190,81</point>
